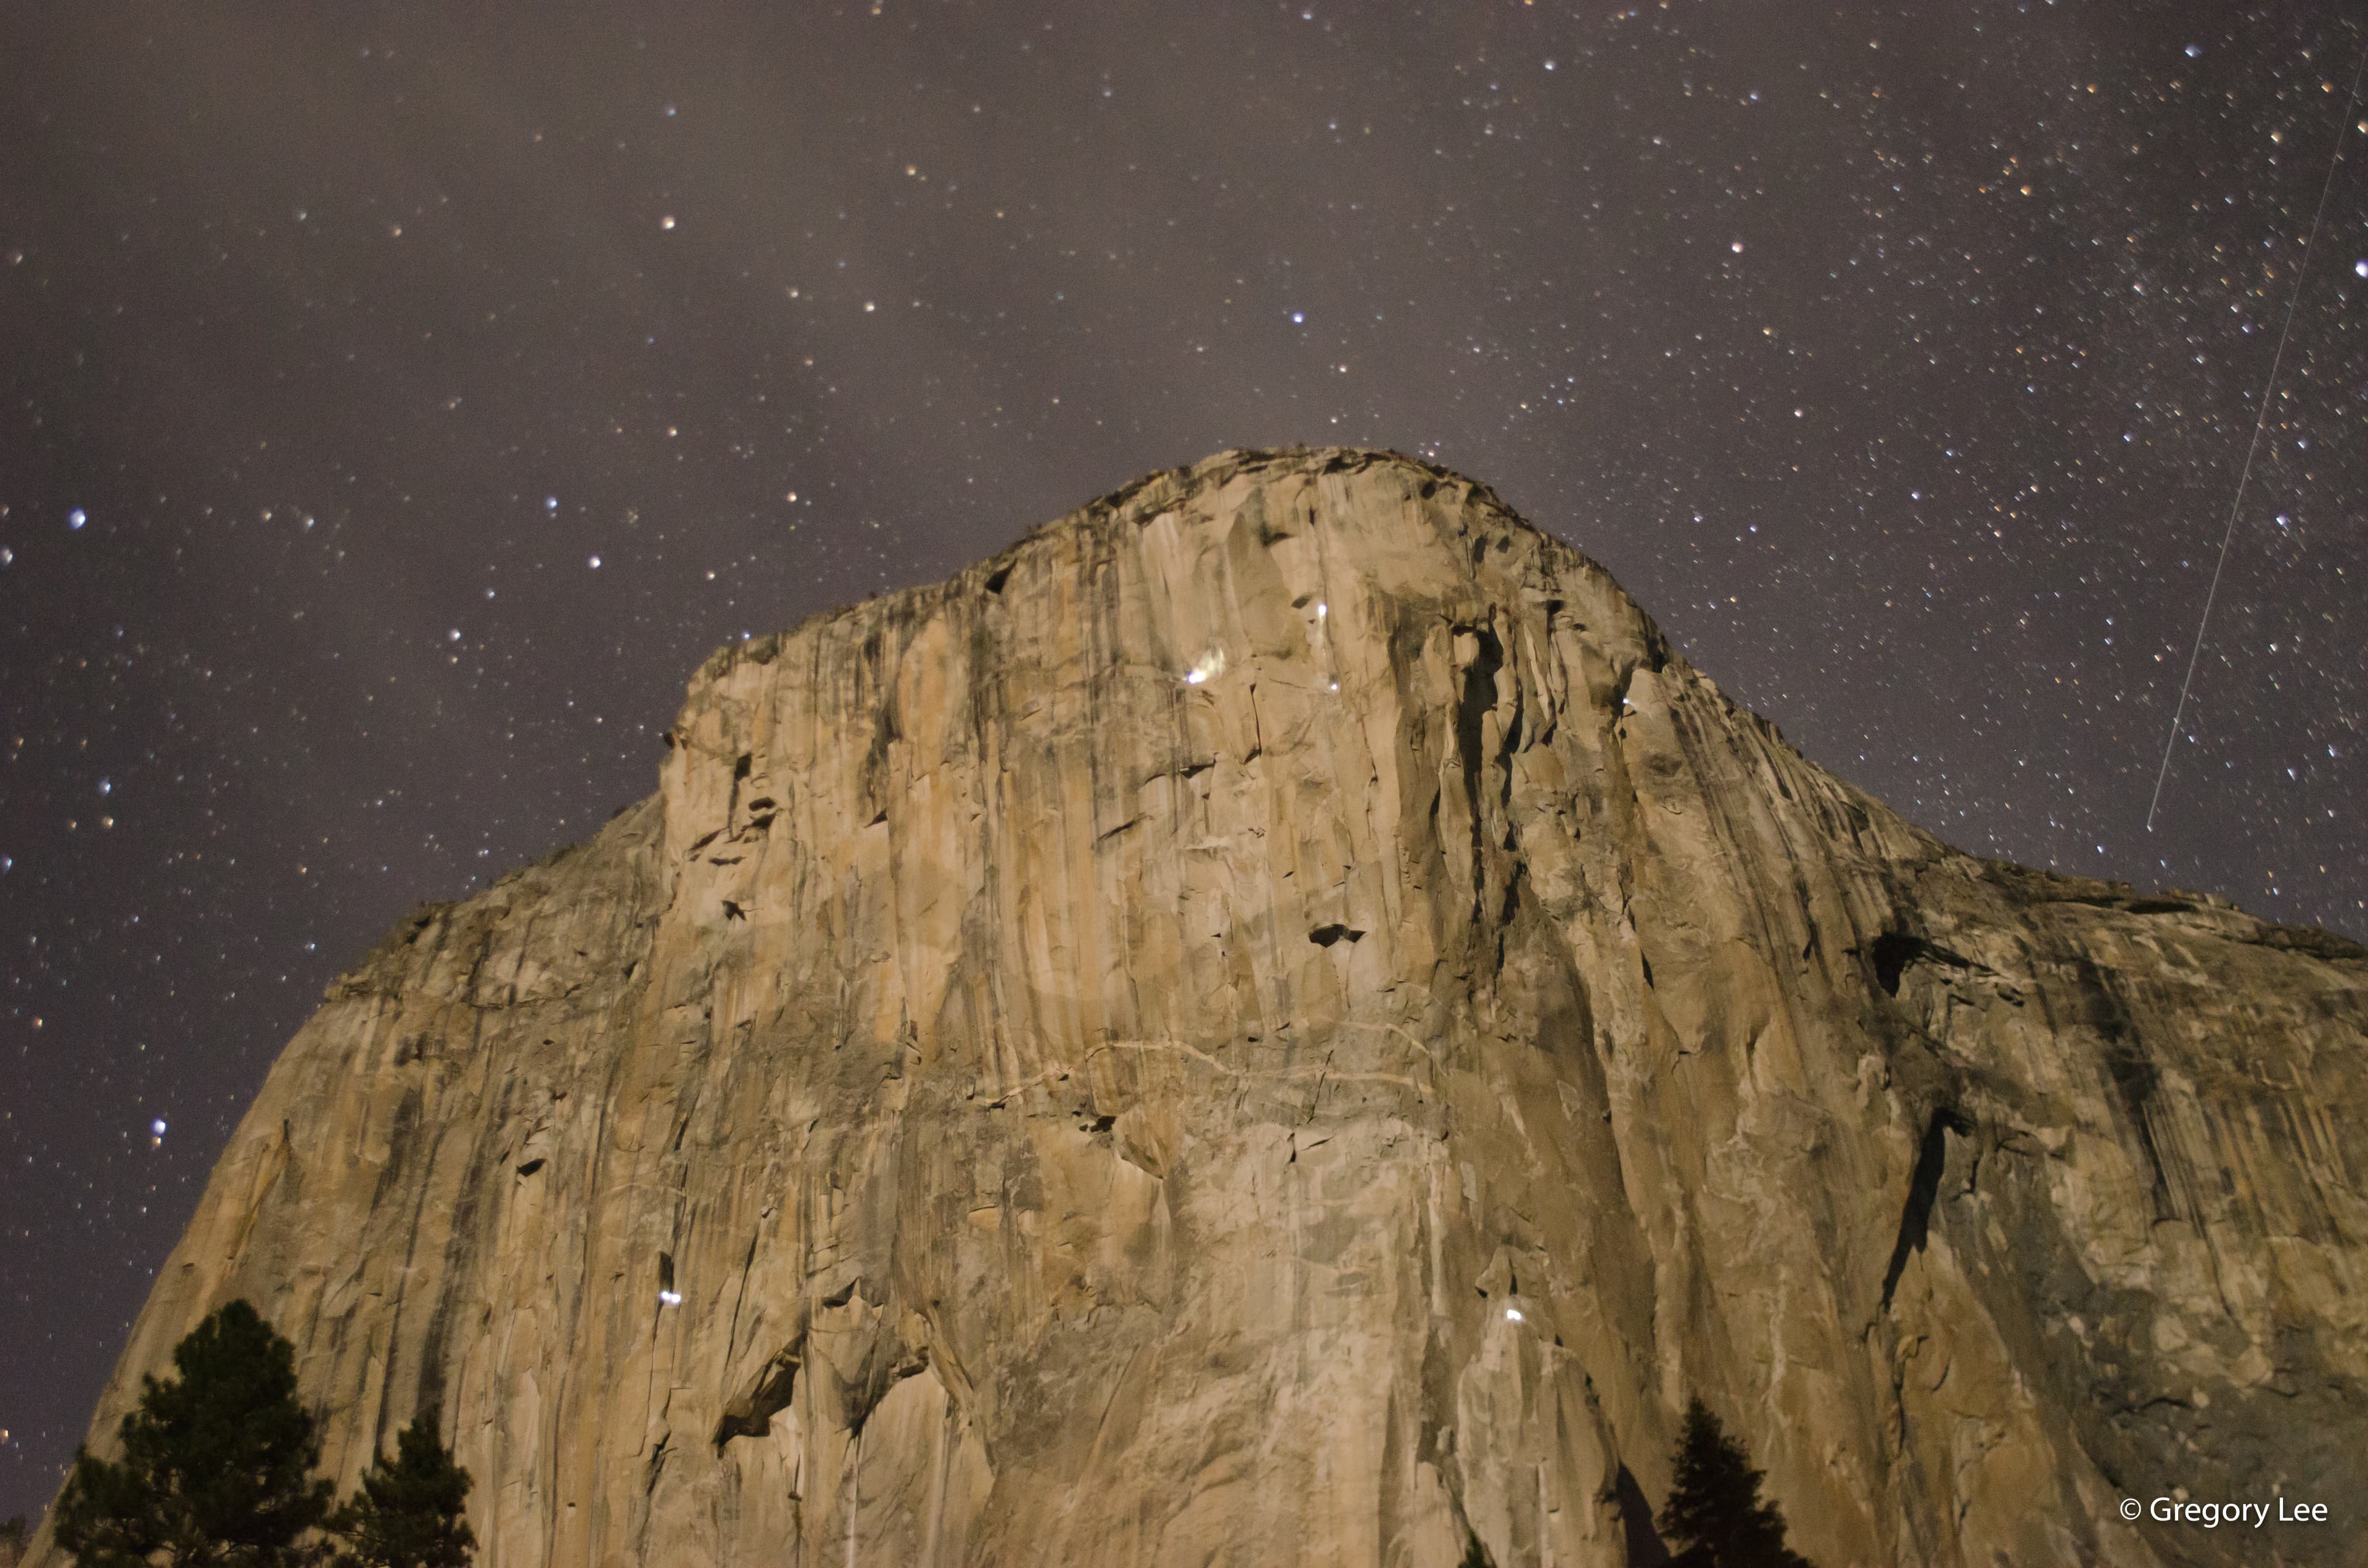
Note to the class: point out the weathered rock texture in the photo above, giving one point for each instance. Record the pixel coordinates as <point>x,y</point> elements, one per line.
<point>1276,1023</point>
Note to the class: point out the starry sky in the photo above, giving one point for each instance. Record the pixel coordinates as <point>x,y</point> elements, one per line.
<point>398,403</point>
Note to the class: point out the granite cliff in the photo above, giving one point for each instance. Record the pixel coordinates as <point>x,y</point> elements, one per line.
<point>1276,1022</point>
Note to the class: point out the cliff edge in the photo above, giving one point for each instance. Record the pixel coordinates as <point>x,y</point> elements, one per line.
<point>1276,1022</point>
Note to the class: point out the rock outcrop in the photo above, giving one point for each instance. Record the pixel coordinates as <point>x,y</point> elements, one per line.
<point>1276,1023</point>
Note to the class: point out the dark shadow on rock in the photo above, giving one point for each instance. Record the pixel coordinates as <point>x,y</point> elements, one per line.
<point>1645,1548</point>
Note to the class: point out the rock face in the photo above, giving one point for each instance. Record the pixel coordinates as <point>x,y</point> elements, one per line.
<point>1276,1023</point>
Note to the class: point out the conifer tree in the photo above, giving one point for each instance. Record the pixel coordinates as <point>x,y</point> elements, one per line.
<point>1714,1510</point>
<point>215,1462</point>
<point>407,1513</point>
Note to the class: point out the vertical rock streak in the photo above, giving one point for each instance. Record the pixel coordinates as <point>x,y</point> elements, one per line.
<point>1002,1100</point>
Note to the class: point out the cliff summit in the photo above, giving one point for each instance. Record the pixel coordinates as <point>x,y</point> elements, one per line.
<point>1276,1022</point>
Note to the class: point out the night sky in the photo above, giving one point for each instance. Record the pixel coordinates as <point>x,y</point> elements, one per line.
<point>397,402</point>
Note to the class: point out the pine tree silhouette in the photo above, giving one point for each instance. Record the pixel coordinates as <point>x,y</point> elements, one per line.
<point>407,1513</point>
<point>1714,1510</point>
<point>214,1461</point>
